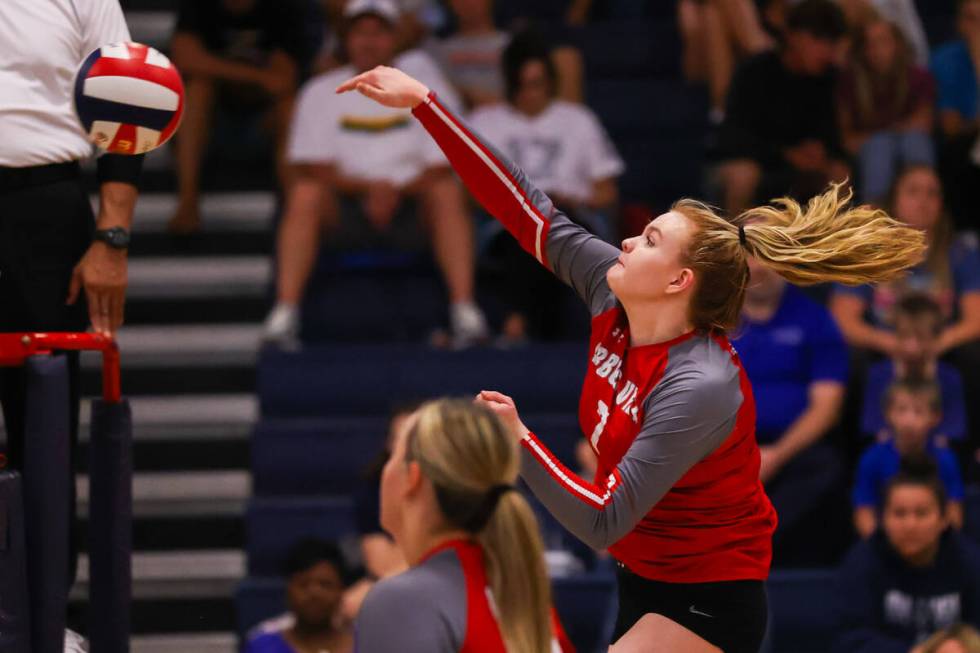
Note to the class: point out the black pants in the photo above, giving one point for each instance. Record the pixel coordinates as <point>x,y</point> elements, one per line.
<point>46,225</point>
<point>731,615</point>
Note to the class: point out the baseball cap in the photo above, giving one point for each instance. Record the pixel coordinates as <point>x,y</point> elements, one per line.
<point>384,9</point>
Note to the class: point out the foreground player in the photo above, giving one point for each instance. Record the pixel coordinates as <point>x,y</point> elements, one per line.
<point>666,403</point>
<point>477,580</point>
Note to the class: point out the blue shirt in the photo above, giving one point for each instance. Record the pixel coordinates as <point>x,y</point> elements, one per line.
<point>881,461</point>
<point>964,261</point>
<point>269,643</point>
<point>800,344</point>
<point>953,69</point>
<point>880,376</point>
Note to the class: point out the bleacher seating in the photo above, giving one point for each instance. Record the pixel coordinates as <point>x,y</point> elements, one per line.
<point>274,524</point>
<point>356,379</point>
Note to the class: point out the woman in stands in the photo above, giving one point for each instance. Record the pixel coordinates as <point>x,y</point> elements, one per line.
<point>477,580</point>
<point>666,403</point>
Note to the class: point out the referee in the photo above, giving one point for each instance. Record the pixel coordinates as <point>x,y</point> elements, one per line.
<point>61,267</point>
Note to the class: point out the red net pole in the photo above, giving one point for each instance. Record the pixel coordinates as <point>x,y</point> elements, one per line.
<point>15,348</point>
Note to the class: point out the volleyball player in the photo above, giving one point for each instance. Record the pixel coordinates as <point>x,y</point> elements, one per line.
<point>666,404</point>
<point>477,580</point>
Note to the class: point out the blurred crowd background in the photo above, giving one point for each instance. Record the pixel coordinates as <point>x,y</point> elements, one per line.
<point>305,267</point>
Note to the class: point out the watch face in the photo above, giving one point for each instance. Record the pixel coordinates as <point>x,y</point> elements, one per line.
<point>116,237</point>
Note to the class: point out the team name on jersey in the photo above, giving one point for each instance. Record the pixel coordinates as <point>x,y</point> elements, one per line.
<point>609,366</point>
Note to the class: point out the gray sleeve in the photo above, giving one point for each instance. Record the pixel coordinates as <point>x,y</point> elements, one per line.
<point>397,617</point>
<point>686,418</point>
<point>581,260</point>
<point>577,257</point>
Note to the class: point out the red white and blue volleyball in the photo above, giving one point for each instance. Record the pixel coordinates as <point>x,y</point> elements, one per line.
<point>129,98</point>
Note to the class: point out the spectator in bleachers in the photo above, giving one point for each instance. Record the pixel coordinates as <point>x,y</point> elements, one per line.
<point>716,35</point>
<point>791,145</point>
<point>885,107</point>
<point>371,174</point>
<point>918,325</point>
<point>960,638</point>
<point>315,578</point>
<point>471,56</point>
<point>950,274</point>
<point>797,362</point>
<point>912,578</point>
<point>955,66</point>
<point>901,13</point>
<point>913,410</point>
<point>565,152</point>
<point>244,57</point>
<point>554,22</point>
<point>379,554</point>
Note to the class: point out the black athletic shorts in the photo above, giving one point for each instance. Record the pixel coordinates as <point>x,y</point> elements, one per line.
<point>731,615</point>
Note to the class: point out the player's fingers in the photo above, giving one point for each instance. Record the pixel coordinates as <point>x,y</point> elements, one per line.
<point>375,93</point>
<point>493,395</point>
<point>351,84</point>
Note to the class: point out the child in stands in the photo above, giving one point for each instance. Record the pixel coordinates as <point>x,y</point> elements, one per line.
<point>913,577</point>
<point>918,323</point>
<point>913,410</point>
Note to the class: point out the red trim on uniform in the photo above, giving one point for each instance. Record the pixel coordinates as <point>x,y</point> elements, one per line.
<point>482,630</point>
<point>589,493</point>
<point>486,177</point>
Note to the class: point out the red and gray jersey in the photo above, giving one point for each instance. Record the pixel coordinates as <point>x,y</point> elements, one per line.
<point>677,497</point>
<point>441,605</point>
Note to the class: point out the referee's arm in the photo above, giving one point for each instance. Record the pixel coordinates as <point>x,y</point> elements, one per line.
<point>102,270</point>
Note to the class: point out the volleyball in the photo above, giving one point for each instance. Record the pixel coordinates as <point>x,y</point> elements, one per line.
<point>129,98</point>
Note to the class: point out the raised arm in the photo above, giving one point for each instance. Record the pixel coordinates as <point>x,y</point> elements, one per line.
<point>684,423</point>
<point>577,257</point>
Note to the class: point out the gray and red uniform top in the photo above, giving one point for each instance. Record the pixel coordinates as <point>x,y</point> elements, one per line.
<point>441,605</point>
<point>677,496</point>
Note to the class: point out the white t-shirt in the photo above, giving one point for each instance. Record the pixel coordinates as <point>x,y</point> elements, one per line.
<point>563,150</point>
<point>42,44</point>
<point>363,139</point>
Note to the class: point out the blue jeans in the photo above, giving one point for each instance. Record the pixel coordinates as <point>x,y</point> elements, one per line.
<point>884,153</point>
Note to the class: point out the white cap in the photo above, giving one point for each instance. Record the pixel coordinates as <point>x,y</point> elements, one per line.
<point>384,9</point>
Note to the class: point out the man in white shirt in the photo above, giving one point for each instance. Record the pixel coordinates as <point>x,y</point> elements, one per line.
<point>60,266</point>
<point>357,163</point>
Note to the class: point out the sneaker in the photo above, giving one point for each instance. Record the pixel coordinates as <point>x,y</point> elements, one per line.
<point>75,643</point>
<point>468,324</point>
<point>282,325</point>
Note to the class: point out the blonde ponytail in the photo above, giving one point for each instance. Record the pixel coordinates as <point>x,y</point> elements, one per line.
<point>469,457</point>
<point>517,574</point>
<point>827,241</point>
<point>831,242</point>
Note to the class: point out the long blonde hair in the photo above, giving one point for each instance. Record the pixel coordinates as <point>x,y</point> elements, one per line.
<point>826,241</point>
<point>466,453</point>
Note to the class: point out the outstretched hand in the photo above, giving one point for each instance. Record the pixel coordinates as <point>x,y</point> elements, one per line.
<point>505,409</point>
<point>387,86</point>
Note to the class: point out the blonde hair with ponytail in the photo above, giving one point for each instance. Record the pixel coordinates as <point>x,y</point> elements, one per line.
<point>466,453</point>
<point>828,240</point>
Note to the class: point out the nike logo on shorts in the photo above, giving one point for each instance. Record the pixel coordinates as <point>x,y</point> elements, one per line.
<point>703,614</point>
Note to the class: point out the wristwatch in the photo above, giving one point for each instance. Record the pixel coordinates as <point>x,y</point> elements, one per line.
<point>116,237</point>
